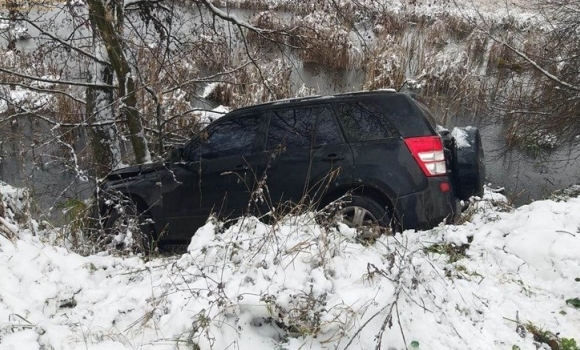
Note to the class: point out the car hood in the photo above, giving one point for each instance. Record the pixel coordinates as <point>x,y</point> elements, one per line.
<point>135,170</point>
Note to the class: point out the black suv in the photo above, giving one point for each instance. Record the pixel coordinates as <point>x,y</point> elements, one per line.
<point>381,149</point>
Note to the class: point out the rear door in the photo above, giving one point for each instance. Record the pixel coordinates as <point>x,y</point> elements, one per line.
<point>381,158</point>
<point>306,154</point>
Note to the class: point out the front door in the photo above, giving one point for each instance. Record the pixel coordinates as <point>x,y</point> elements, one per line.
<point>214,178</point>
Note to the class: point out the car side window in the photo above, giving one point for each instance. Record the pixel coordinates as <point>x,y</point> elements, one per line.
<point>364,122</point>
<point>327,131</point>
<point>290,128</point>
<point>228,138</point>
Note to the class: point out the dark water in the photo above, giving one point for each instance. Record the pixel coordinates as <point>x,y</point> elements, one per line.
<point>32,157</point>
<point>525,177</point>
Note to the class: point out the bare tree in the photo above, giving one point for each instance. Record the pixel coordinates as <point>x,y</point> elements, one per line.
<point>542,98</point>
<point>107,20</point>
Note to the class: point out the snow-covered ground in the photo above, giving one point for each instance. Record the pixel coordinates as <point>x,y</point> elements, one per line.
<point>486,284</point>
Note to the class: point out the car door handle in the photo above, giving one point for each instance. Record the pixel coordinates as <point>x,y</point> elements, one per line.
<point>333,157</point>
<point>241,167</point>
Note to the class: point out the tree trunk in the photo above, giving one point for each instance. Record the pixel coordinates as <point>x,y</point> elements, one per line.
<point>100,114</point>
<point>13,13</point>
<point>108,20</point>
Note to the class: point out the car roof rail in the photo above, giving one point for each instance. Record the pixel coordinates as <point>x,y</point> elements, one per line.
<point>317,97</point>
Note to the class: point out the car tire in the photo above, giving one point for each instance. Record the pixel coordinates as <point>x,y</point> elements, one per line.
<point>468,164</point>
<point>139,223</point>
<point>365,214</point>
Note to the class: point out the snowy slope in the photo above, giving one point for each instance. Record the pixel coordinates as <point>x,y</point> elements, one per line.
<point>299,285</point>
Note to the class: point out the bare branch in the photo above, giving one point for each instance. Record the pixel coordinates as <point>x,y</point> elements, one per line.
<point>49,91</point>
<point>135,4</point>
<point>535,64</point>
<point>26,112</point>
<point>68,45</point>
<point>52,81</point>
<point>208,79</point>
<point>232,19</point>
<point>241,24</point>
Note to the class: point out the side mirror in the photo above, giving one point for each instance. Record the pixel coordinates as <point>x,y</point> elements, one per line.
<point>177,155</point>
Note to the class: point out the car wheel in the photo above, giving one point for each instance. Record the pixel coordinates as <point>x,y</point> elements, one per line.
<point>468,163</point>
<point>126,229</point>
<point>365,214</point>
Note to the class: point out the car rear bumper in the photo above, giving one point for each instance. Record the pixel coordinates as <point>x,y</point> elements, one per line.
<point>427,208</point>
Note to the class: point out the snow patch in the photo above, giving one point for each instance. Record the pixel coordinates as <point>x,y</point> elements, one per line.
<point>206,117</point>
<point>461,136</point>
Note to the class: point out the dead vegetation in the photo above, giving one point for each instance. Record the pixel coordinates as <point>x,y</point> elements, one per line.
<point>253,84</point>
<point>275,30</point>
<point>386,64</point>
<point>321,38</point>
<point>452,60</point>
<point>389,23</point>
<point>324,31</point>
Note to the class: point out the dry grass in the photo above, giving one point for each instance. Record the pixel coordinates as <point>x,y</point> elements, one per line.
<point>211,51</point>
<point>447,73</point>
<point>298,8</point>
<point>323,40</point>
<point>442,52</point>
<point>459,28</point>
<point>477,43</point>
<point>502,60</point>
<point>69,110</point>
<point>437,35</point>
<point>242,4</point>
<point>389,23</point>
<point>254,84</point>
<point>385,65</point>
<point>165,102</point>
<point>269,21</point>
<point>445,29</point>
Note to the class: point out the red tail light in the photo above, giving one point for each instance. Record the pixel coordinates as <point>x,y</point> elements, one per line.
<point>428,152</point>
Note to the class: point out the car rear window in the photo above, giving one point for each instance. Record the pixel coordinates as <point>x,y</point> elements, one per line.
<point>427,113</point>
<point>404,114</point>
<point>363,121</point>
